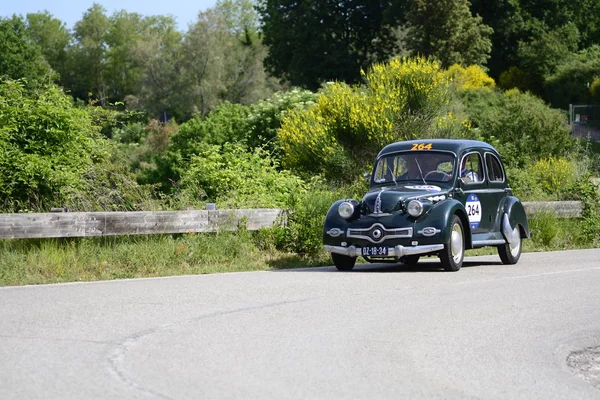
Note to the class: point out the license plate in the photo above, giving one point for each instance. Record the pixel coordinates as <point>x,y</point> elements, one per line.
<point>375,251</point>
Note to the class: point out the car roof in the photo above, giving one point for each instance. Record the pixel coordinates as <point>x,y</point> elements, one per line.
<point>457,146</point>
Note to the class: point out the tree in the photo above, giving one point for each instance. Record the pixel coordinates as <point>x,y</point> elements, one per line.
<point>158,50</point>
<point>20,57</point>
<point>446,30</point>
<point>315,41</point>
<point>507,21</point>
<point>122,71</point>
<point>527,29</point>
<point>52,37</point>
<point>540,55</point>
<point>570,82</point>
<point>222,58</point>
<point>87,58</point>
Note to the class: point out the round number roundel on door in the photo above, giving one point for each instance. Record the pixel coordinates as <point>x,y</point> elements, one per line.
<point>473,207</point>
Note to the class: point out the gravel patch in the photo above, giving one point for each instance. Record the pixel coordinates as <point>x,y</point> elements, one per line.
<point>586,364</point>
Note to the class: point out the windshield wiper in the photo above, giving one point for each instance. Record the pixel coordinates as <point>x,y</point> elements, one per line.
<point>420,171</point>
<point>393,176</point>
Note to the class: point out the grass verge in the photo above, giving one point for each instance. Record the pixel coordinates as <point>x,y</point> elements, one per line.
<point>24,262</point>
<point>44,261</point>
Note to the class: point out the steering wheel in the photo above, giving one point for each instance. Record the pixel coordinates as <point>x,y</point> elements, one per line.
<point>445,176</point>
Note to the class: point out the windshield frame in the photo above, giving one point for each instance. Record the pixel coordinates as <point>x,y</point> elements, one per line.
<point>419,179</point>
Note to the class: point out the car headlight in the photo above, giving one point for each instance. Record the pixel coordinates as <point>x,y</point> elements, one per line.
<point>415,208</point>
<point>346,210</point>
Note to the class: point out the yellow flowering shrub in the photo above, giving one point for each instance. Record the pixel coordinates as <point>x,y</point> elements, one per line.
<point>450,125</point>
<point>554,175</point>
<point>471,78</point>
<point>348,125</point>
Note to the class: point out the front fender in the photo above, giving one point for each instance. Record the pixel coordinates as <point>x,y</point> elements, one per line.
<point>516,215</point>
<point>439,217</point>
<point>333,220</point>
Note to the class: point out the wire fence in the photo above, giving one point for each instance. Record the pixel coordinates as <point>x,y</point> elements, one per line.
<point>585,121</point>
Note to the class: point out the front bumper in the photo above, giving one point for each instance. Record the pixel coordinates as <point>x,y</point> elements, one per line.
<point>396,251</point>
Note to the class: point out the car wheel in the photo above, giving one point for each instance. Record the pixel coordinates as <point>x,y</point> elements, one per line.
<point>343,263</point>
<point>510,254</point>
<point>411,261</point>
<point>453,254</point>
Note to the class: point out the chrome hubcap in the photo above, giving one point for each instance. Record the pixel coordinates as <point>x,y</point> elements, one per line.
<point>516,248</point>
<point>456,243</point>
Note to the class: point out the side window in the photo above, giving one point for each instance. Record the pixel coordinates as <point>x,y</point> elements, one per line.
<point>494,168</point>
<point>471,168</point>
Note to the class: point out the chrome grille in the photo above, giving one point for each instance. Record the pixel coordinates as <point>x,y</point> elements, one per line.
<point>377,233</point>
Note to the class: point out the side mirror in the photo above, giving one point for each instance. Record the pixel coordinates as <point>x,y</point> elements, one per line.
<point>367,176</point>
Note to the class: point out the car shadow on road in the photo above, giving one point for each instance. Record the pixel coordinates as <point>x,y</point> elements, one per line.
<point>423,266</point>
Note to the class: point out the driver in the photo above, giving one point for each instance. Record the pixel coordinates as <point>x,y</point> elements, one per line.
<point>410,170</point>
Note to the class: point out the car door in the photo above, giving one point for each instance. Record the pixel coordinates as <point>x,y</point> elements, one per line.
<point>479,203</point>
<point>497,187</point>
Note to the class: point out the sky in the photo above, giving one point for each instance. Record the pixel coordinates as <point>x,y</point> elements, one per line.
<point>71,11</point>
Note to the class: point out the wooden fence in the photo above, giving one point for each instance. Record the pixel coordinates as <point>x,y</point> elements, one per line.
<point>88,224</point>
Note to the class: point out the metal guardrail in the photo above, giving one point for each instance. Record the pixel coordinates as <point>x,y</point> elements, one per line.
<point>561,209</point>
<point>90,224</point>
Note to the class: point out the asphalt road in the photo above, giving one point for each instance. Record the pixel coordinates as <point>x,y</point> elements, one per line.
<point>488,331</point>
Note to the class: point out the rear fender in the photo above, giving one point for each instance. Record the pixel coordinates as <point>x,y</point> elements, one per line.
<point>515,212</point>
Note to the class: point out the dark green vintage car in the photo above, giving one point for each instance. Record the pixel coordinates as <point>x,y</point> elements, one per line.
<point>429,197</point>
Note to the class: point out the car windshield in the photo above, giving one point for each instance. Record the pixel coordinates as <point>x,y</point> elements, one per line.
<point>422,166</point>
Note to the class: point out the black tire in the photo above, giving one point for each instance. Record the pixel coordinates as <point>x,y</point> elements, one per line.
<point>453,254</point>
<point>411,261</point>
<point>510,255</point>
<point>343,263</point>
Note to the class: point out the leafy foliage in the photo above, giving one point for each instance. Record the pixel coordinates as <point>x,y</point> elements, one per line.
<point>521,126</point>
<point>587,192</point>
<point>20,57</point>
<point>46,146</point>
<point>472,77</point>
<point>540,55</point>
<point>52,37</point>
<point>231,176</point>
<point>534,35</point>
<point>254,125</point>
<point>446,30</point>
<point>88,56</point>
<point>569,83</point>
<point>222,59</point>
<point>265,117</point>
<point>343,132</point>
<point>311,42</point>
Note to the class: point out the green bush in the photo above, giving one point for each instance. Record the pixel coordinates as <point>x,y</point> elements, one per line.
<point>227,123</point>
<point>254,126</point>
<point>305,216</point>
<point>303,231</point>
<point>587,192</point>
<point>544,228</point>
<point>264,118</point>
<point>234,177</point>
<point>47,145</point>
<point>520,125</point>
<point>111,186</point>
